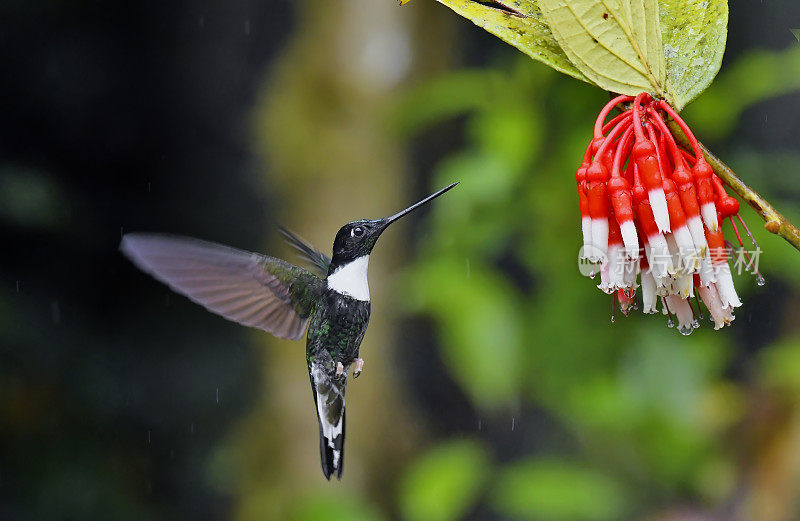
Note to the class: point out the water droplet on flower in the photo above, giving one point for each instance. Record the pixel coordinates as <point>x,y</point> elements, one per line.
<point>592,274</point>
<point>760,279</point>
<point>685,330</point>
<point>695,324</point>
<point>670,323</point>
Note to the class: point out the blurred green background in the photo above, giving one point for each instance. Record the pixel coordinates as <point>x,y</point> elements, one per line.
<point>495,386</point>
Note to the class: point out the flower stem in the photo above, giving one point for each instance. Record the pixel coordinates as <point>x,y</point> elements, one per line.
<point>775,222</point>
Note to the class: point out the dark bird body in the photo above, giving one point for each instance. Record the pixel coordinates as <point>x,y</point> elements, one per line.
<point>271,294</point>
<point>334,336</point>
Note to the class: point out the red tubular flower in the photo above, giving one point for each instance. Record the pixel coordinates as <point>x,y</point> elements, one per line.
<point>682,177</point>
<point>655,244</point>
<point>613,271</point>
<point>652,211</point>
<point>583,202</point>
<point>597,177</point>
<point>644,155</point>
<point>680,232</point>
<point>701,171</point>
<point>622,198</point>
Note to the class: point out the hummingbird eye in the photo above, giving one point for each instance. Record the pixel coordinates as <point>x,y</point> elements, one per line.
<point>358,231</point>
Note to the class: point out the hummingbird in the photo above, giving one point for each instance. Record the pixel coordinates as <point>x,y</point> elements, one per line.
<point>283,299</point>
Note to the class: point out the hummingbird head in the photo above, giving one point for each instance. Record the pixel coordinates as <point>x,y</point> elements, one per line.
<point>356,239</point>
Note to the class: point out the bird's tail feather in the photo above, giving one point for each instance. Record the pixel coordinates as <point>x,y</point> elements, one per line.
<point>331,452</point>
<point>329,399</point>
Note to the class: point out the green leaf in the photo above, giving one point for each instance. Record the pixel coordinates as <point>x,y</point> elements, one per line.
<point>694,33</point>
<point>557,490</point>
<point>615,43</point>
<point>670,48</point>
<point>443,97</point>
<point>522,26</point>
<point>486,315</point>
<point>444,483</point>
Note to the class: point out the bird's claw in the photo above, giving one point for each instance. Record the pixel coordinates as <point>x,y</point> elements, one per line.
<point>339,370</point>
<point>359,366</point>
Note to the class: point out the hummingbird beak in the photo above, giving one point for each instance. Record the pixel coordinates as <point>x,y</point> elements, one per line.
<point>389,220</point>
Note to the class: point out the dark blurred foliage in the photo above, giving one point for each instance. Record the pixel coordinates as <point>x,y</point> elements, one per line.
<point>121,116</point>
<point>495,386</point>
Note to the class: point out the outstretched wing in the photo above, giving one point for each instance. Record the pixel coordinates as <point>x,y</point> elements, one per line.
<point>248,288</point>
<point>307,251</point>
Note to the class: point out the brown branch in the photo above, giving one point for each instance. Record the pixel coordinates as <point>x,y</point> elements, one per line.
<point>775,222</point>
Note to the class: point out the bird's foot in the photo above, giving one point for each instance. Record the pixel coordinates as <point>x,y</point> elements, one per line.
<point>359,366</point>
<point>339,370</point>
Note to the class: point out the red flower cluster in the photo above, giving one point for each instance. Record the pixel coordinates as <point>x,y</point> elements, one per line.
<point>640,192</point>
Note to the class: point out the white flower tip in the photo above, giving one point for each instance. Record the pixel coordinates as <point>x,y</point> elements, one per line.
<point>685,329</point>
<point>630,238</point>
<point>725,287</point>
<point>684,243</point>
<point>600,237</point>
<point>683,312</point>
<point>586,231</point>
<point>709,213</point>
<point>649,298</point>
<point>659,258</point>
<point>658,202</point>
